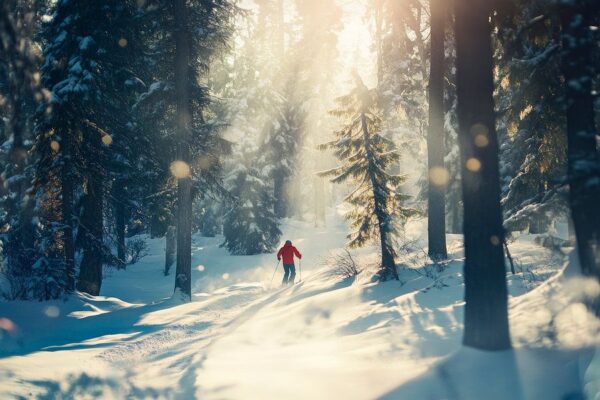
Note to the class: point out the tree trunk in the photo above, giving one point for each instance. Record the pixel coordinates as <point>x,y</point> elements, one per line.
<point>183,278</point>
<point>438,175</point>
<point>281,198</point>
<point>120,222</point>
<point>91,227</point>
<point>486,314</point>
<point>582,153</point>
<point>388,264</point>
<point>455,210</point>
<point>170,249</point>
<point>67,211</point>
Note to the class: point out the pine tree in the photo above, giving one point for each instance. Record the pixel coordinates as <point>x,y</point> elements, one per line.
<point>366,159</point>
<point>486,313</point>
<point>531,132</point>
<point>251,226</point>
<point>81,139</point>
<point>20,94</point>
<point>189,160</point>
<point>282,142</point>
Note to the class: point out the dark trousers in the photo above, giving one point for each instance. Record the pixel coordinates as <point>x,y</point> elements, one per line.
<point>290,274</point>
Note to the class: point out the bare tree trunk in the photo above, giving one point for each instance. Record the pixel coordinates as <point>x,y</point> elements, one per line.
<point>486,309</point>
<point>170,248</point>
<point>183,278</point>
<point>91,227</point>
<point>67,210</point>
<point>281,205</point>
<point>582,153</point>
<point>120,222</point>
<point>438,175</point>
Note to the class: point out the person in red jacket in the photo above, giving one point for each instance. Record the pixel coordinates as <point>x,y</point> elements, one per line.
<point>287,252</point>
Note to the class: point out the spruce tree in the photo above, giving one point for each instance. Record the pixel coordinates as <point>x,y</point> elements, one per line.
<point>177,100</point>
<point>531,132</point>
<point>88,64</point>
<point>20,94</point>
<point>282,142</point>
<point>367,156</point>
<point>251,226</point>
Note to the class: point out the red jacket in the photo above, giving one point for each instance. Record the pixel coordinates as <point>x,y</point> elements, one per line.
<point>287,252</point>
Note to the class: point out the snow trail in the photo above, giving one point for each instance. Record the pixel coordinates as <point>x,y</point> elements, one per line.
<point>238,339</point>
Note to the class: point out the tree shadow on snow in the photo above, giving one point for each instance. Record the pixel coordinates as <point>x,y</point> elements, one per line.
<point>86,386</point>
<point>75,332</point>
<point>434,315</point>
<point>519,374</point>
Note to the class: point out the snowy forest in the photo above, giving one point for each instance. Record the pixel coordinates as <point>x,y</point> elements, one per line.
<point>300,199</point>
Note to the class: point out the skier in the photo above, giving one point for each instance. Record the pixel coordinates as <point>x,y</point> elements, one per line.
<point>287,252</point>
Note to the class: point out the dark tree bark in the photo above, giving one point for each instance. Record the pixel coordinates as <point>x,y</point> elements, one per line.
<point>170,249</point>
<point>20,247</point>
<point>582,152</point>
<point>455,220</point>
<point>486,314</point>
<point>91,227</point>
<point>436,221</point>
<point>183,278</point>
<point>67,211</point>
<point>281,196</point>
<point>388,264</point>
<point>120,221</point>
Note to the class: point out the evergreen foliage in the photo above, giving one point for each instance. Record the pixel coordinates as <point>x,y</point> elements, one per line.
<point>367,156</point>
<point>251,226</point>
<point>533,156</point>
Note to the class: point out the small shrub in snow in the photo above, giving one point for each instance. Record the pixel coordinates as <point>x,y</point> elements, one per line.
<point>136,250</point>
<point>341,264</point>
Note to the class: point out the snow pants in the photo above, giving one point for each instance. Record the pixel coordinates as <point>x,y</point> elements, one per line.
<point>289,274</point>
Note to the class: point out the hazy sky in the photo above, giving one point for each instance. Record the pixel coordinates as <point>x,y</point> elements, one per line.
<point>355,41</point>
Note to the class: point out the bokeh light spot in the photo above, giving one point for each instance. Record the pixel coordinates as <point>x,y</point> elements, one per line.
<point>481,140</point>
<point>7,325</point>
<point>55,146</point>
<point>52,311</point>
<point>180,169</point>
<point>479,129</point>
<point>439,176</point>
<point>122,42</point>
<point>473,164</point>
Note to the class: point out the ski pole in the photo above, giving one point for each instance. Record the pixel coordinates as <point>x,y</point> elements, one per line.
<point>278,261</point>
<point>300,266</point>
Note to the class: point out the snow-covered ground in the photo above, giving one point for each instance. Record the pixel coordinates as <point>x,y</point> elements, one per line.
<point>326,337</point>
